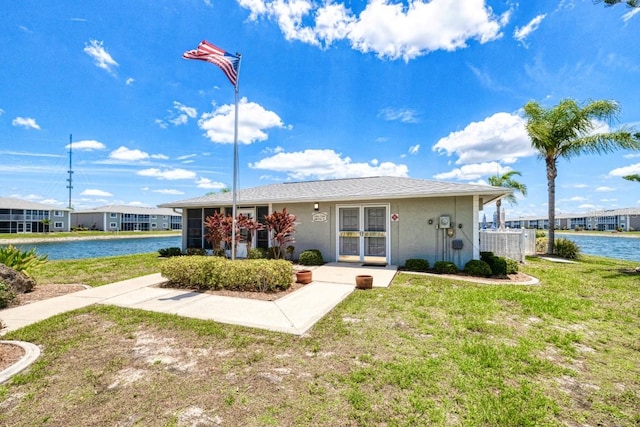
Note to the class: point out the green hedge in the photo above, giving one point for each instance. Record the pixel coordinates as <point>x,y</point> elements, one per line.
<point>207,272</point>
<point>311,257</point>
<point>445,267</point>
<point>478,268</point>
<point>416,264</point>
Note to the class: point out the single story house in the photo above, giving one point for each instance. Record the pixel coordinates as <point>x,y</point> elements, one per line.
<point>381,220</point>
<point>127,218</point>
<point>22,216</point>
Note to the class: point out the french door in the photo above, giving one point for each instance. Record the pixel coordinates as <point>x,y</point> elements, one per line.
<point>363,233</point>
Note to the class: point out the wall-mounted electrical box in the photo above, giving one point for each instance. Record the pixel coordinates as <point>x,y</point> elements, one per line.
<point>456,244</point>
<point>445,221</point>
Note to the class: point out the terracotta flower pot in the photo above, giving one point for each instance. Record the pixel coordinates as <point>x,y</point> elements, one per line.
<point>364,282</point>
<point>303,276</point>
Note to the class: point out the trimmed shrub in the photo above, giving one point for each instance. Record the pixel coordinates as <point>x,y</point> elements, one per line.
<point>540,234</point>
<point>497,264</point>
<point>416,264</point>
<point>196,251</point>
<point>21,260</point>
<point>512,266</point>
<point>204,273</point>
<point>169,252</point>
<point>477,267</point>
<point>7,295</point>
<point>311,257</point>
<point>566,248</point>
<point>445,267</point>
<point>257,253</point>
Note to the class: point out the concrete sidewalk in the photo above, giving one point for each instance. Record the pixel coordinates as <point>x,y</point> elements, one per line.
<point>295,313</point>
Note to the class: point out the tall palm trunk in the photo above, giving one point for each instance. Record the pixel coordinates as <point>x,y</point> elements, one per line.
<point>552,173</point>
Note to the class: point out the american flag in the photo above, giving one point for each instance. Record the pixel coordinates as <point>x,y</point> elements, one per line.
<point>227,62</point>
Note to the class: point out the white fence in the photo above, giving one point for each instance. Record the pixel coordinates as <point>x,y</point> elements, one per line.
<point>514,244</point>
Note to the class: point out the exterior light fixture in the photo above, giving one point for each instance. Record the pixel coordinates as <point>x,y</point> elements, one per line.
<point>316,206</point>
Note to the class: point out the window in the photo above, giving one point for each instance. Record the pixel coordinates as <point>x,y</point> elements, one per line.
<point>58,213</point>
<point>113,225</point>
<point>165,225</point>
<point>153,217</point>
<point>58,224</point>
<point>113,215</point>
<point>154,225</point>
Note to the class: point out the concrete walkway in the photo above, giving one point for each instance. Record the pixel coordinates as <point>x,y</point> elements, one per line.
<point>295,313</point>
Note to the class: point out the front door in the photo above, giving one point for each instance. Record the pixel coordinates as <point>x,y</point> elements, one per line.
<point>363,234</point>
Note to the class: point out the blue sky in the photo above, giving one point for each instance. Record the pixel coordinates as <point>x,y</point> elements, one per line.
<point>328,90</point>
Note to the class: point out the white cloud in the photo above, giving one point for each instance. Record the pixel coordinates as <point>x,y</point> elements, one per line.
<point>574,199</point>
<point>86,145</point>
<point>521,33</point>
<point>630,14</point>
<point>608,200</point>
<point>390,30</point>
<point>95,49</point>
<point>95,192</point>
<point>474,171</point>
<point>159,156</point>
<point>326,164</point>
<point>631,156</point>
<point>210,185</point>
<point>604,189</point>
<point>253,121</point>
<point>404,115</point>
<point>1,111</point>
<point>179,115</point>
<point>414,149</point>
<point>169,174</point>
<point>500,137</point>
<point>125,154</point>
<point>25,122</point>
<point>186,156</point>
<point>168,191</point>
<point>626,170</point>
<point>129,81</point>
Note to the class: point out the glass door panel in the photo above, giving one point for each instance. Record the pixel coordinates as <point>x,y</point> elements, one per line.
<point>349,234</point>
<point>375,234</point>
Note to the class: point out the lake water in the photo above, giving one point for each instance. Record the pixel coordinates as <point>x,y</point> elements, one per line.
<point>627,248</point>
<point>77,249</point>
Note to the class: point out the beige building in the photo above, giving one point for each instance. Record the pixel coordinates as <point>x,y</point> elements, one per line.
<point>384,220</point>
<point>126,218</point>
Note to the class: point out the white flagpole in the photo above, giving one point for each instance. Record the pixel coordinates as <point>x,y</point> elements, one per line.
<point>235,166</point>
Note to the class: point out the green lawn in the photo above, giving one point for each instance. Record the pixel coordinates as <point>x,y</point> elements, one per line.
<point>425,351</point>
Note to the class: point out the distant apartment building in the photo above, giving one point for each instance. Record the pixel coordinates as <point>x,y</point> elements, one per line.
<point>22,216</point>
<point>626,219</point>
<point>126,218</point>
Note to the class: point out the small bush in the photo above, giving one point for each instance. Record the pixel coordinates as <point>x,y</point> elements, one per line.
<point>566,248</point>
<point>169,252</point>
<point>416,264</point>
<point>540,234</point>
<point>497,264</point>
<point>7,295</point>
<point>203,273</point>
<point>196,251</point>
<point>311,257</point>
<point>445,267</point>
<point>477,267</point>
<point>541,244</point>
<point>257,253</point>
<point>512,266</point>
<point>21,260</point>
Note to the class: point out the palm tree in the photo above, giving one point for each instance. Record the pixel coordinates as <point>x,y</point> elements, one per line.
<point>567,130</point>
<point>507,181</point>
<point>630,3</point>
<point>634,177</point>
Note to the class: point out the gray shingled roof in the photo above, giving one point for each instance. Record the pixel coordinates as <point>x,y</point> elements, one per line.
<point>14,203</point>
<point>338,190</point>
<point>136,210</point>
